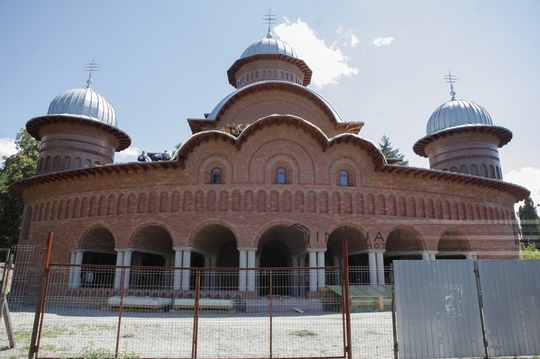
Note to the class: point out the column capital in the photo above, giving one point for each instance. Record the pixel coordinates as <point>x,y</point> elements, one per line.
<point>376,250</point>
<point>247,249</point>
<point>182,248</point>
<point>316,250</point>
<point>125,249</point>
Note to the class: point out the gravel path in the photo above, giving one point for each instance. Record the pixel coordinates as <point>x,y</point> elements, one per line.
<point>169,335</point>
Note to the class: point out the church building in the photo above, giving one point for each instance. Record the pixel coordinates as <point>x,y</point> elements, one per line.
<point>271,177</point>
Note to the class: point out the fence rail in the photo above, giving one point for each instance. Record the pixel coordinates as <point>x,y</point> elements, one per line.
<point>272,321</point>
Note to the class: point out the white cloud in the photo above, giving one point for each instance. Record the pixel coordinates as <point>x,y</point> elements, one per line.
<point>128,155</point>
<point>351,39</point>
<point>7,148</point>
<point>383,41</point>
<point>327,62</point>
<point>527,177</point>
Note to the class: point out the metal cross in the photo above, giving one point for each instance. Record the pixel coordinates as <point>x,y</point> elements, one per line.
<point>269,19</point>
<point>91,66</point>
<point>451,79</point>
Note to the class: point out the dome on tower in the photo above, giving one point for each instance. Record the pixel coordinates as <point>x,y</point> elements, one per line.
<point>269,45</point>
<point>457,112</point>
<point>84,103</point>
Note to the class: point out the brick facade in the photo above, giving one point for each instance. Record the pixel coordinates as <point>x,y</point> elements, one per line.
<point>160,207</point>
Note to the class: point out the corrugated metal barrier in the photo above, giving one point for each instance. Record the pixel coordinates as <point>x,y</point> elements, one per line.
<point>462,308</point>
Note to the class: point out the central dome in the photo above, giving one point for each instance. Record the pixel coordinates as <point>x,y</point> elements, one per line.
<point>85,103</point>
<point>269,45</point>
<point>457,112</point>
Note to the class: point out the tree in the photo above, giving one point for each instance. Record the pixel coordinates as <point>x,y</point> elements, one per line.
<point>391,153</point>
<point>16,167</point>
<point>529,251</point>
<point>529,223</point>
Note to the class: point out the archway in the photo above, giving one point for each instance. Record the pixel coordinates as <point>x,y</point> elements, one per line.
<point>358,244</point>
<point>275,252</point>
<point>403,243</point>
<point>152,247</point>
<point>452,245</point>
<point>219,244</point>
<point>98,246</point>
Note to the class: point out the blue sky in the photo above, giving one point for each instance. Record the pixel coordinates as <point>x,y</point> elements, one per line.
<point>380,62</point>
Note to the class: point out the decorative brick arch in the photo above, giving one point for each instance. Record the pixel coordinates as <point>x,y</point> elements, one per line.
<point>210,237</point>
<point>97,238</point>
<point>153,237</point>
<point>452,242</point>
<point>404,239</point>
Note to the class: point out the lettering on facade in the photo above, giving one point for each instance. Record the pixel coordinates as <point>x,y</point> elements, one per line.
<point>298,236</point>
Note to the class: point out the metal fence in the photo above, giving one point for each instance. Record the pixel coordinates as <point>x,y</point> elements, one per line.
<point>146,317</point>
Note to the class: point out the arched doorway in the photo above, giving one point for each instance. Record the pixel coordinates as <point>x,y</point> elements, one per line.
<point>98,246</point>
<point>218,243</point>
<point>403,243</point>
<point>452,245</point>
<point>275,252</point>
<point>358,245</point>
<point>152,247</point>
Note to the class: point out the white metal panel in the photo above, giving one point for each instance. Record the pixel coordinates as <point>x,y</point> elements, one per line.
<point>437,309</point>
<point>511,297</point>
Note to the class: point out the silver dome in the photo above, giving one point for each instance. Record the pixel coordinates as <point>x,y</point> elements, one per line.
<point>85,103</point>
<point>457,112</point>
<point>269,45</point>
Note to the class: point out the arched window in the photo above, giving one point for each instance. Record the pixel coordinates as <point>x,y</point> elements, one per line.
<point>216,175</point>
<point>281,175</point>
<point>344,178</point>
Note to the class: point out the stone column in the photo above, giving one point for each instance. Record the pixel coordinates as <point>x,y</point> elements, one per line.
<point>313,272</point>
<point>372,268</point>
<point>71,269</point>
<point>178,256</point>
<point>127,263</point>
<point>322,271</point>
<point>118,272</point>
<point>251,264</point>
<point>186,263</point>
<point>242,273</point>
<point>425,256</point>
<point>432,256</point>
<point>77,270</point>
<point>380,268</point>
<point>206,274</point>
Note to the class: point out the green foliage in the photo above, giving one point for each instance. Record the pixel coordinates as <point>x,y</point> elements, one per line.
<point>529,222</point>
<point>16,167</point>
<point>390,152</point>
<point>529,251</point>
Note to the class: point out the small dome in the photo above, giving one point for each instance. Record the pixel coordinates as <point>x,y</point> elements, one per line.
<point>269,45</point>
<point>85,103</point>
<point>457,112</point>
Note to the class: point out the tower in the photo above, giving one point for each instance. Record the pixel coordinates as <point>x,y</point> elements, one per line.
<point>460,137</point>
<point>80,130</point>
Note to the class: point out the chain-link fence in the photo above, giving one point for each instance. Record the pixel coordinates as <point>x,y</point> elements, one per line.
<point>140,312</point>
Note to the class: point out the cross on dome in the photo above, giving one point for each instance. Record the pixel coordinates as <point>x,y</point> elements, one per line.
<point>91,66</point>
<point>451,79</point>
<point>269,19</point>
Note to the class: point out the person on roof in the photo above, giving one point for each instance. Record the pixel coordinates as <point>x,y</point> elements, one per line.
<point>143,157</point>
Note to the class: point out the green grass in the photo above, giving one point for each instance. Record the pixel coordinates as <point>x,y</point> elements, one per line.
<point>304,333</point>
